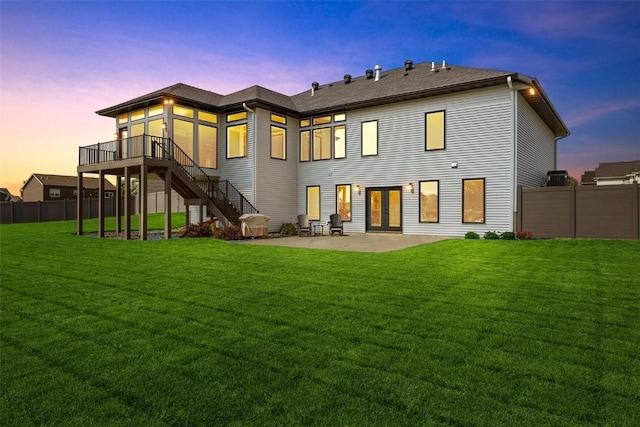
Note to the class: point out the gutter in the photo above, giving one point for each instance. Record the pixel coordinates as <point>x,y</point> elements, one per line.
<point>255,157</point>
<point>514,163</point>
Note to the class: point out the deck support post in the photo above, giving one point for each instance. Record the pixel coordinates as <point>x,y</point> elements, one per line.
<point>118,204</point>
<point>167,204</point>
<point>101,205</point>
<point>142,191</point>
<point>127,203</point>
<point>79,207</point>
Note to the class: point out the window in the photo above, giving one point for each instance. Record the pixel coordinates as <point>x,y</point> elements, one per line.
<point>340,117</point>
<point>434,131</point>
<point>156,110</point>
<point>137,115</point>
<point>155,128</point>
<point>343,201</point>
<point>429,201</point>
<point>305,122</point>
<point>179,110</point>
<point>207,117</point>
<point>237,116</point>
<point>305,146</point>
<point>340,142</point>
<point>322,144</point>
<point>313,203</point>
<point>137,129</point>
<point>54,192</point>
<point>207,146</point>
<point>123,118</point>
<point>237,141</point>
<point>278,143</point>
<point>370,138</point>
<point>322,120</point>
<point>183,136</point>
<point>278,119</point>
<point>473,200</point>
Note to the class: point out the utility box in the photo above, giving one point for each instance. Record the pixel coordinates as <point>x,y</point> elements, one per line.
<point>254,225</point>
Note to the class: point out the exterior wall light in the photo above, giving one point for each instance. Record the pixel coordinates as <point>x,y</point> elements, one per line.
<point>358,189</point>
<point>410,187</point>
<point>454,165</point>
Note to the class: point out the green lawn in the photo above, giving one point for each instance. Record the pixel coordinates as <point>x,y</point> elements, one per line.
<point>191,332</point>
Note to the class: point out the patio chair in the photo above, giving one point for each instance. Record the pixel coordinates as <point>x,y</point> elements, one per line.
<point>304,226</point>
<point>335,224</point>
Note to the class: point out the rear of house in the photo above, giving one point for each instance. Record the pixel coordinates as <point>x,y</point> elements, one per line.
<point>419,149</point>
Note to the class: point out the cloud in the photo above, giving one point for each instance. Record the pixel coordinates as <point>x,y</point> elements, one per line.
<point>597,111</point>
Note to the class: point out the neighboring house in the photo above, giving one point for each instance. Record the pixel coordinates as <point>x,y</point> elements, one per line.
<point>615,173</point>
<point>420,149</point>
<point>6,196</point>
<point>41,187</point>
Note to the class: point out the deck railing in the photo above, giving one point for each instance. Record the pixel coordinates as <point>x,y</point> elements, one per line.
<point>224,195</point>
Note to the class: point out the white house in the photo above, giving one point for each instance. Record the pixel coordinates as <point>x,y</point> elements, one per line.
<point>420,149</point>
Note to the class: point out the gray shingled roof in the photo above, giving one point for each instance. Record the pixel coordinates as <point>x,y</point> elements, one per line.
<point>394,85</point>
<point>70,181</point>
<point>617,169</point>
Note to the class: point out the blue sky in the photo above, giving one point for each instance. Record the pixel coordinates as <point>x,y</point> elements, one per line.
<point>62,61</point>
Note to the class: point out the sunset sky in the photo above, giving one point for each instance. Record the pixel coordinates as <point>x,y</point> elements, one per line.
<point>62,61</point>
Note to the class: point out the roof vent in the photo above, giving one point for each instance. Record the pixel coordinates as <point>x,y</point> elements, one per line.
<point>408,65</point>
<point>378,69</point>
<point>433,67</point>
<point>347,78</point>
<point>369,73</point>
<point>314,87</point>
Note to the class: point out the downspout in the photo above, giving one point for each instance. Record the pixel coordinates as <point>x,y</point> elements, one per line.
<point>255,157</point>
<point>514,163</point>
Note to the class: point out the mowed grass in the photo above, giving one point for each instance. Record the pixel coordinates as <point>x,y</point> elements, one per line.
<point>200,332</point>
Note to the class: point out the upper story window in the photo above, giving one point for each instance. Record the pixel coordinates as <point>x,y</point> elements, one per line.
<point>473,201</point>
<point>321,142</point>
<point>340,142</point>
<point>305,146</point>
<point>278,143</point>
<point>179,110</point>
<point>203,116</point>
<point>207,146</point>
<point>137,115</point>
<point>236,116</point>
<point>156,110</point>
<point>435,131</point>
<point>321,120</point>
<point>278,119</point>
<point>54,192</point>
<point>429,201</point>
<point>237,141</point>
<point>123,118</point>
<point>370,138</point>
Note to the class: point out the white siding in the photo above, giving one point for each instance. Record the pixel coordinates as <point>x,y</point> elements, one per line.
<point>238,171</point>
<point>276,179</point>
<point>536,147</point>
<point>478,137</point>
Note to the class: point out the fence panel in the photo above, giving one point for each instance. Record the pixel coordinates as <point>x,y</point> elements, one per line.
<point>51,210</point>
<point>611,212</point>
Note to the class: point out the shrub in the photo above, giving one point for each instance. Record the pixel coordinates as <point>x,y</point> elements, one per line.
<point>508,235</point>
<point>471,235</point>
<point>197,230</point>
<point>524,235</point>
<point>289,229</point>
<point>230,232</point>
<point>491,235</point>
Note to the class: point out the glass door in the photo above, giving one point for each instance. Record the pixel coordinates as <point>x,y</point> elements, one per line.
<point>384,209</point>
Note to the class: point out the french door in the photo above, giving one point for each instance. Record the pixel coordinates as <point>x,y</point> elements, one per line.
<point>384,209</point>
